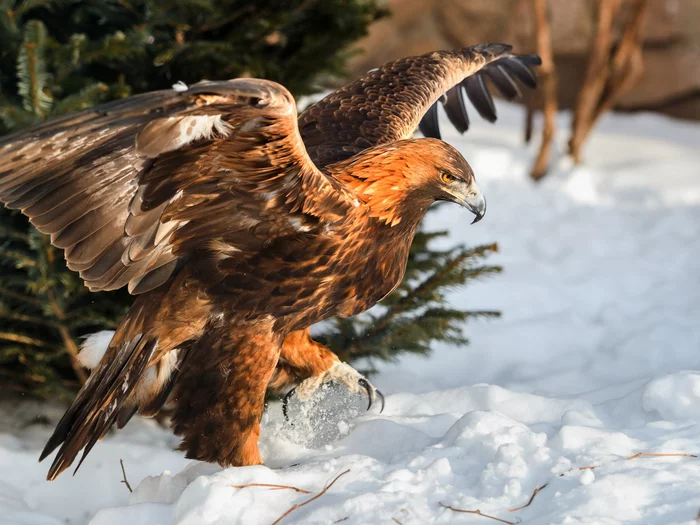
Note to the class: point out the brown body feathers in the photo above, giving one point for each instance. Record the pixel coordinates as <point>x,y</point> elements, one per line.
<point>237,225</point>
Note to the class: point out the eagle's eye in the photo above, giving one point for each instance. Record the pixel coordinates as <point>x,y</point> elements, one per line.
<point>447,177</point>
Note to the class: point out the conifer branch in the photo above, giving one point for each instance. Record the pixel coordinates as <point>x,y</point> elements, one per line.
<point>23,339</point>
<point>68,341</point>
<point>28,319</point>
<point>19,296</point>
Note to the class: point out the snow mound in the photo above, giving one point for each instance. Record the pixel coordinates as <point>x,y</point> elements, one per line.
<point>587,389</point>
<point>675,396</point>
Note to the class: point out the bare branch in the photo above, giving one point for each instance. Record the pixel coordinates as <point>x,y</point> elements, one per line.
<point>272,487</point>
<point>652,455</point>
<point>597,73</point>
<point>549,85</point>
<point>529,502</point>
<point>627,64</point>
<point>478,513</point>
<point>124,480</point>
<point>299,505</point>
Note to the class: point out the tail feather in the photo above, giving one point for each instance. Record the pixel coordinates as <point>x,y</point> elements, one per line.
<point>98,403</point>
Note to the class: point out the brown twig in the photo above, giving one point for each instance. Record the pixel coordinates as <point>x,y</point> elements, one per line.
<point>478,513</point>
<point>591,467</point>
<point>396,521</point>
<point>124,480</point>
<point>272,486</point>
<point>652,455</point>
<point>549,89</point>
<point>299,505</point>
<point>529,502</point>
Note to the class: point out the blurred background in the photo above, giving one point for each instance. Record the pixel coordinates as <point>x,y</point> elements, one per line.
<point>669,41</point>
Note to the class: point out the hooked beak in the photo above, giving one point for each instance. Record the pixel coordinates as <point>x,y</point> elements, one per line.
<point>475,202</point>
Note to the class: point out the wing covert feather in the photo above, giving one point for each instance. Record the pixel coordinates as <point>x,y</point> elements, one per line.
<point>127,188</point>
<point>390,102</point>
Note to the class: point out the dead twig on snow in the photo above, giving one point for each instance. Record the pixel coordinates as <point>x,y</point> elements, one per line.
<point>299,505</point>
<point>529,502</point>
<point>272,486</point>
<point>478,513</point>
<point>591,467</point>
<point>124,480</point>
<point>652,455</point>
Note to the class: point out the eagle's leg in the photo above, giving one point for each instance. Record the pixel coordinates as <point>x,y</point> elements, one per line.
<point>303,357</point>
<point>220,395</point>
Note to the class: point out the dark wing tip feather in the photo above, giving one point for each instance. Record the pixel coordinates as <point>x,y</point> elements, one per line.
<point>506,73</point>
<point>521,69</point>
<point>479,94</point>
<point>456,109</point>
<point>429,124</point>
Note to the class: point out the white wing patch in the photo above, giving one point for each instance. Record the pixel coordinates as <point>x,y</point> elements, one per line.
<point>180,86</point>
<point>169,134</point>
<point>155,377</point>
<point>93,348</point>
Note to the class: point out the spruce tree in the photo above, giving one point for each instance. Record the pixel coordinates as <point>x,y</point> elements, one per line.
<point>58,56</point>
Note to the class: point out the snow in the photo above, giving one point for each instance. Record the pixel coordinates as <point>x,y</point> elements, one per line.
<point>595,360</point>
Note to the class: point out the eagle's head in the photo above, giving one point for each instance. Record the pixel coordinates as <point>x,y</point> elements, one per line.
<point>399,181</point>
<point>450,178</point>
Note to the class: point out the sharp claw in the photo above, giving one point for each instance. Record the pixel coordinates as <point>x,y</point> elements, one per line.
<point>285,402</point>
<point>365,384</point>
<point>381,396</point>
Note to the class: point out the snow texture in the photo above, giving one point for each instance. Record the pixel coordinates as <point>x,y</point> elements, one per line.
<point>591,363</point>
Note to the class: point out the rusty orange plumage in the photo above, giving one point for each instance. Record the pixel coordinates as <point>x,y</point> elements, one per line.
<point>237,224</point>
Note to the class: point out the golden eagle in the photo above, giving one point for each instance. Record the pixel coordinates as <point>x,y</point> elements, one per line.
<point>236,225</point>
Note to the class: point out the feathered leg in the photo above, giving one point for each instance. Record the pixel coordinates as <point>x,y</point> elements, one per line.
<point>301,357</point>
<point>304,358</point>
<point>220,393</point>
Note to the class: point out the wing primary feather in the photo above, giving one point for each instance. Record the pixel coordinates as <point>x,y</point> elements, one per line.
<point>503,82</point>
<point>429,125</point>
<point>479,94</point>
<point>530,60</point>
<point>125,415</point>
<point>519,67</point>
<point>456,109</point>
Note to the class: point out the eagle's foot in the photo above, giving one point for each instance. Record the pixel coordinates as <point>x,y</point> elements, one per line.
<point>340,373</point>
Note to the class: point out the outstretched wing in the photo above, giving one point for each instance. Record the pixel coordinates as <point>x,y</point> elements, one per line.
<point>390,102</point>
<point>131,187</point>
